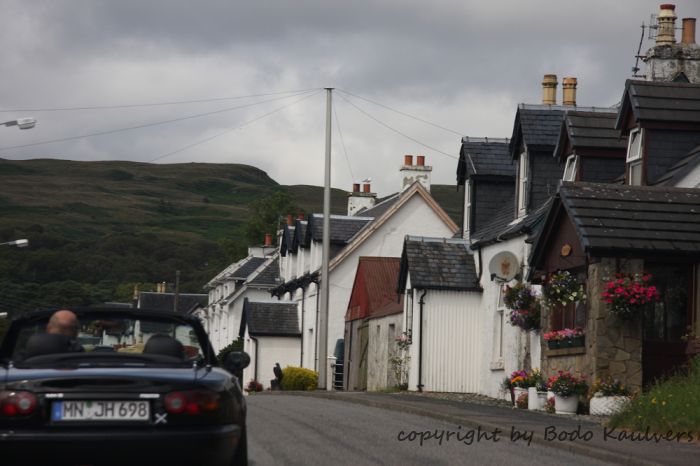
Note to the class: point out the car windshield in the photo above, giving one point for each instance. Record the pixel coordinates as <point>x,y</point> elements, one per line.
<point>109,340</point>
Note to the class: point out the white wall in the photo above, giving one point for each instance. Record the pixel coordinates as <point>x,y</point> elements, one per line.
<point>452,346</point>
<point>270,350</point>
<point>494,369</point>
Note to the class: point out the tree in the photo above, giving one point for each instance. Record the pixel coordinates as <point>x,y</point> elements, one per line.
<point>266,214</point>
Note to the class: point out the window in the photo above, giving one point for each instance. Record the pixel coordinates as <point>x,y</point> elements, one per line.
<point>497,350</point>
<point>467,208</point>
<point>409,315</point>
<point>634,157</point>
<point>667,319</point>
<point>571,168</point>
<point>523,184</point>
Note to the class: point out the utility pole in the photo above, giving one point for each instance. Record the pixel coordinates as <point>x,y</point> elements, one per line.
<point>325,258</point>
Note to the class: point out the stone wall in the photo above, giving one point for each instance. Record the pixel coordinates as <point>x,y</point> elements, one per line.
<point>613,347</point>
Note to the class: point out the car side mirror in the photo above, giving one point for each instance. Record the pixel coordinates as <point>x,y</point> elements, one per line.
<point>236,361</point>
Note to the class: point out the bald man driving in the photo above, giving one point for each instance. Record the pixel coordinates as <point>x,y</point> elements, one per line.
<point>65,322</point>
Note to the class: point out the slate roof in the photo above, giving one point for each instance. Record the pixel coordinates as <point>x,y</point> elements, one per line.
<point>166,301</point>
<point>634,221</point>
<point>659,101</point>
<point>590,130</point>
<point>270,318</point>
<point>250,266</point>
<point>374,291</point>
<point>484,157</point>
<point>300,235</point>
<point>269,276</point>
<point>680,169</point>
<point>438,264</point>
<point>381,207</point>
<point>343,228</point>
<point>287,240</point>
<point>537,126</point>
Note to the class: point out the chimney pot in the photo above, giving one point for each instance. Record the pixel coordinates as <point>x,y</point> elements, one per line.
<point>290,219</point>
<point>356,187</point>
<point>420,160</point>
<point>688,31</point>
<point>408,160</point>
<point>268,239</point>
<point>549,89</point>
<point>667,25</point>
<point>366,187</point>
<point>569,91</point>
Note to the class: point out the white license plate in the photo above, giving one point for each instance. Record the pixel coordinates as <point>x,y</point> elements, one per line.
<point>108,410</point>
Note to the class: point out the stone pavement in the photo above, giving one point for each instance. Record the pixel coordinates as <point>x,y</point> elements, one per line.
<point>577,434</point>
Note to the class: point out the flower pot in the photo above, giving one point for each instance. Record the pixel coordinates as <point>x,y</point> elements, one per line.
<point>542,400</point>
<point>578,341</point>
<point>535,399</point>
<point>517,391</point>
<point>565,404</point>
<point>553,344</point>
<point>607,405</point>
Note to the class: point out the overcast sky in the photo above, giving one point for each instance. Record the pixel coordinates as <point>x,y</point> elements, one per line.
<point>463,65</point>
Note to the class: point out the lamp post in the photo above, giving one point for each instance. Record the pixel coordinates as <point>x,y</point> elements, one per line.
<point>20,243</point>
<point>21,123</point>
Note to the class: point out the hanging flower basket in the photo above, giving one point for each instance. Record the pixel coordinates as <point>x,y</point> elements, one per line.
<point>628,294</point>
<point>524,306</point>
<point>562,288</point>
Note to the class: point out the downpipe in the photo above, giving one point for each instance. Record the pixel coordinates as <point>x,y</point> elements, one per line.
<point>257,350</point>
<point>420,342</point>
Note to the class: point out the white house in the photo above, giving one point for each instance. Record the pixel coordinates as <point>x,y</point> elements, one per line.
<point>376,231</point>
<point>442,314</point>
<point>270,333</point>
<point>251,277</point>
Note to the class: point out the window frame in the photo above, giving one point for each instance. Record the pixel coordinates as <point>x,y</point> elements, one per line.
<point>572,164</point>
<point>523,183</point>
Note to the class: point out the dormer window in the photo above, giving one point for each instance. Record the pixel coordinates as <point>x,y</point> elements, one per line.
<point>571,168</point>
<point>523,176</point>
<point>634,157</point>
<point>467,208</point>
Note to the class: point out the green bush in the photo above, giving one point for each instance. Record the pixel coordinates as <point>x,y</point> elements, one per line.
<point>236,345</point>
<point>671,404</point>
<point>299,378</point>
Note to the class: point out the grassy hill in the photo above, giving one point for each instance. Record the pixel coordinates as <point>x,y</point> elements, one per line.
<point>97,227</point>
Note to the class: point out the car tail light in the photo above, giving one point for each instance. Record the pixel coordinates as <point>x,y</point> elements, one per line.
<point>16,403</point>
<point>191,402</point>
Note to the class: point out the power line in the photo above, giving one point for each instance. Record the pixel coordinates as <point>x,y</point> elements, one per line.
<point>342,142</point>
<point>397,131</point>
<point>403,113</point>
<point>153,104</point>
<point>202,141</point>
<point>147,125</point>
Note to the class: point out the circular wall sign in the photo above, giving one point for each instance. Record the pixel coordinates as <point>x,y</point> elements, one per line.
<point>566,250</point>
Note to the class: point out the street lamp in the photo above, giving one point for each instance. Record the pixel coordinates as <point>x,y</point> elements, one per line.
<point>20,243</point>
<point>22,123</point>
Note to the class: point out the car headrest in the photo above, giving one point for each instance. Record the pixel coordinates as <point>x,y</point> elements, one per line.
<point>165,345</point>
<point>47,343</point>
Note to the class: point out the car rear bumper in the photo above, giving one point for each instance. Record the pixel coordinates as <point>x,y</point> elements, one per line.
<point>211,445</point>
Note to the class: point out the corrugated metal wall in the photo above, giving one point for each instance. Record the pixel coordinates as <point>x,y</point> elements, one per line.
<point>452,345</point>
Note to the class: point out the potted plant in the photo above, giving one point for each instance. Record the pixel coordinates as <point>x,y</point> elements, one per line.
<point>524,306</point>
<point>567,390</point>
<point>537,391</point>
<point>628,294</point>
<point>562,288</point>
<point>520,382</point>
<point>565,338</point>
<point>609,397</point>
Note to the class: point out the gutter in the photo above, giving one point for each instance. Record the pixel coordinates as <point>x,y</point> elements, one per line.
<point>420,342</point>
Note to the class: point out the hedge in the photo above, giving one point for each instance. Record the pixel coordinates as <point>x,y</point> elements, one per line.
<point>299,378</point>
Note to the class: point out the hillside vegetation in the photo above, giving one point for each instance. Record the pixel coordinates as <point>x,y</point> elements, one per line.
<point>97,228</point>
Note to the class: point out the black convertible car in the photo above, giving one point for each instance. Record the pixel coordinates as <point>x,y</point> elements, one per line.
<point>131,387</point>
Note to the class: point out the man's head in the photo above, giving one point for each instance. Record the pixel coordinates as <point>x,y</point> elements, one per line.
<point>63,322</point>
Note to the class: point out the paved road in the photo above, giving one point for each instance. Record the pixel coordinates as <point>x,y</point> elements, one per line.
<point>297,430</point>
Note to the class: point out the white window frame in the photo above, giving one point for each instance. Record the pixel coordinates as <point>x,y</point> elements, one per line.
<point>571,168</point>
<point>637,133</point>
<point>467,208</point>
<point>523,183</point>
<point>497,350</point>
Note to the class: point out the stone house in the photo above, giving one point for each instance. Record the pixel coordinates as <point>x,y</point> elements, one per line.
<point>596,230</point>
<point>373,321</point>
